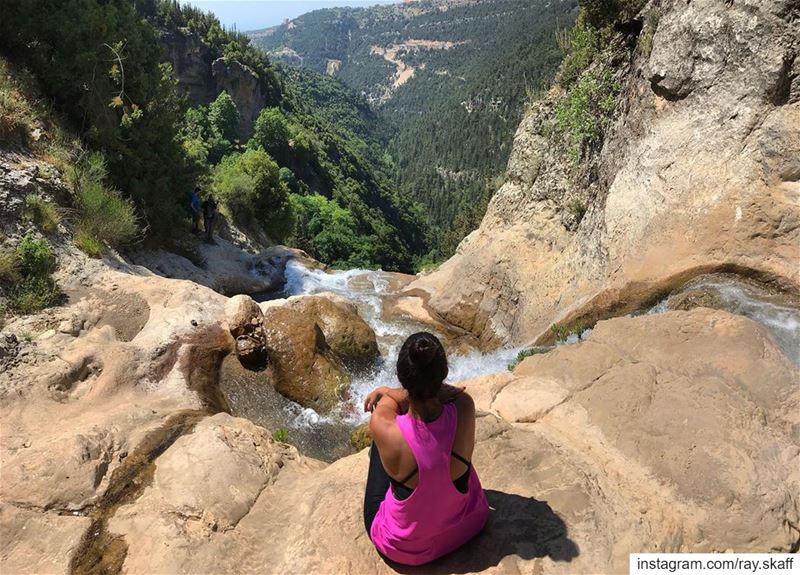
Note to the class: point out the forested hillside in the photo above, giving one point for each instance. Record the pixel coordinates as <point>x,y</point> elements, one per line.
<point>293,157</point>
<point>449,80</point>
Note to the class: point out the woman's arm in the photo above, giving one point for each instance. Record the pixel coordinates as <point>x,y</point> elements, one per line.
<point>447,393</point>
<point>464,441</point>
<point>385,432</point>
<point>396,394</point>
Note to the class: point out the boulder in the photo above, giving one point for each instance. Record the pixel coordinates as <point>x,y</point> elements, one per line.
<point>245,322</point>
<point>305,368</point>
<point>242,314</point>
<point>347,334</point>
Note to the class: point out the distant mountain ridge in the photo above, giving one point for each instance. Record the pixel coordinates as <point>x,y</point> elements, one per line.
<point>450,80</point>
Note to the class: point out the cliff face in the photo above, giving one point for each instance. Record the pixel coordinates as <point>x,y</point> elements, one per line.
<point>699,170</point>
<point>203,77</point>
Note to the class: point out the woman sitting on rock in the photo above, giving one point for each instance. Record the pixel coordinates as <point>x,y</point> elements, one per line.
<point>423,497</point>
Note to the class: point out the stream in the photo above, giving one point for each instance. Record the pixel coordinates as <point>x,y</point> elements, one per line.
<point>328,437</point>
<point>775,311</point>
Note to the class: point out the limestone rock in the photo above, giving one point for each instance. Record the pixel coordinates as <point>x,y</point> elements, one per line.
<point>79,403</point>
<point>246,89</point>
<point>71,326</point>
<point>242,314</point>
<point>203,78</point>
<point>191,64</point>
<point>204,486</point>
<point>68,482</point>
<point>662,448</point>
<point>38,542</point>
<point>245,322</point>
<point>669,432</point>
<point>9,346</point>
<point>698,172</point>
<point>214,475</point>
<point>347,334</point>
<point>227,267</point>
<point>306,369</point>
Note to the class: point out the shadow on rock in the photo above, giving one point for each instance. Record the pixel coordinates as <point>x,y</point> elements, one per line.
<point>517,526</point>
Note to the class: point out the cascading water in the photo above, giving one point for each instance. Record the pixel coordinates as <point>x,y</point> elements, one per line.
<point>328,437</point>
<point>749,299</point>
<point>367,289</point>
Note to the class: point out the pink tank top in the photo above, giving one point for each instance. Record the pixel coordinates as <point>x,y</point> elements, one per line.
<point>436,518</point>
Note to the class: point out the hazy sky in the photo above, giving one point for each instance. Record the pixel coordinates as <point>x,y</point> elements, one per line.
<point>253,14</point>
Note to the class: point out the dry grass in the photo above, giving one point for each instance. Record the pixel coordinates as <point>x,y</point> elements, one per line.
<point>43,214</point>
<point>9,266</point>
<point>16,115</point>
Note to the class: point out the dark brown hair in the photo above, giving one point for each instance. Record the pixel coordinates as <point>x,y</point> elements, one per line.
<point>422,365</point>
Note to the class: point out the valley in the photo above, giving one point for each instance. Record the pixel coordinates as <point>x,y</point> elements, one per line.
<point>449,82</point>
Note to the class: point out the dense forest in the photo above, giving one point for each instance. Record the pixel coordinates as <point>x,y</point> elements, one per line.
<point>308,173</point>
<point>448,127</point>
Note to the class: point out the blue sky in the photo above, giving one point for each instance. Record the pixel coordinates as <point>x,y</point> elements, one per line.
<point>253,14</point>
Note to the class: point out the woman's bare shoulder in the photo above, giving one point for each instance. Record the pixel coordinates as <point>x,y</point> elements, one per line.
<point>465,403</point>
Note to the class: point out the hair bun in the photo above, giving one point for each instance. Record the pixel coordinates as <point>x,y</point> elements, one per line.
<point>422,352</point>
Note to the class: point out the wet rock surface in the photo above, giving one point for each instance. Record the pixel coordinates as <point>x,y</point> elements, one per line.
<point>306,369</point>
<point>252,395</point>
<point>348,336</point>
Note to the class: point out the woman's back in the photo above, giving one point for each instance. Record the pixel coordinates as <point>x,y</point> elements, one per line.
<point>436,517</point>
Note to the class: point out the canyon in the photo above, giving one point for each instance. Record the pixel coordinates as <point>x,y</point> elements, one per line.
<point>656,406</point>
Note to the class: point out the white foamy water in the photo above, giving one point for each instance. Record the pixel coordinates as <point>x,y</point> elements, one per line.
<point>366,289</point>
<point>782,322</point>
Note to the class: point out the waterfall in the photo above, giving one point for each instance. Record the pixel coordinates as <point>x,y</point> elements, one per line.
<point>751,300</point>
<point>327,437</point>
<point>367,289</point>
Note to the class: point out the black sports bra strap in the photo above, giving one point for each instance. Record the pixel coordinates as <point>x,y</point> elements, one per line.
<point>461,459</point>
<point>409,476</point>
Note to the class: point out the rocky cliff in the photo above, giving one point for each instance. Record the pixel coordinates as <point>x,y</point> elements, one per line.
<point>698,171</point>
<point>203,77</point>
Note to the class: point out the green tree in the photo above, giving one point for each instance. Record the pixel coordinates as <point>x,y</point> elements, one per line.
<point>329,232</point>
<point>223,117</point>
<point>249,186</point>
<point>271,132</point>
<point>101,65</point>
